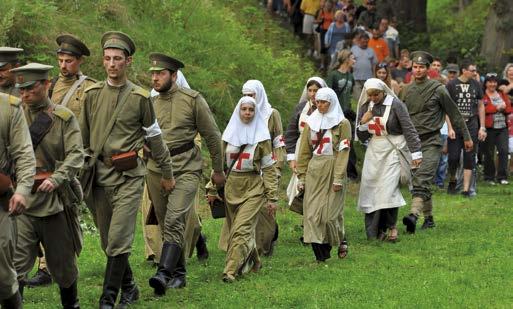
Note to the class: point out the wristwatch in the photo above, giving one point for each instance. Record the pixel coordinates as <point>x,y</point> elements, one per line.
<point>482,128</point>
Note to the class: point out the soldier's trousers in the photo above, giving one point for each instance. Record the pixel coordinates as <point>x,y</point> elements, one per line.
<point>173,208</point>
<point>54,235</point>
<point>423,176</point>
<point>116,210</point>
<point>153,234</point>
<point>8,281</point>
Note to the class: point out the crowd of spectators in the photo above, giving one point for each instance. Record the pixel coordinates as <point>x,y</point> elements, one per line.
<point>351,43</point>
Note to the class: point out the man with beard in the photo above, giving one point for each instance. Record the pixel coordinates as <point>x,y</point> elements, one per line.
<point>8,61</point>
<point>182,113</point>
<point>428,102</point>
<point>116,119</point>
<point>67,90</point>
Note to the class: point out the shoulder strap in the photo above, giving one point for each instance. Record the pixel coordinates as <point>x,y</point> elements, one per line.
<point>241,150</point>
<point>41,126</point>
<point>110,125</point>
<point>52,85</point>
<point>72,90</point>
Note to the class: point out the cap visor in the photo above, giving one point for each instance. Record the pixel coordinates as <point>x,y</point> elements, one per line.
<point>3,63</point>
<point>156,69</point>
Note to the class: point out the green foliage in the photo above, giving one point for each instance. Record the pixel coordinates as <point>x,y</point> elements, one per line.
<point>457,33</point>
<point>220,48</point>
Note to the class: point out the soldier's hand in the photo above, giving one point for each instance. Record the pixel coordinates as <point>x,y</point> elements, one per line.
<point>293,166</point>
<point>218,179</point>
<point>47,186</point>
<point>271,209</point>
<point>337,187</point>
<point>451,133</point>
<point>469,145</point>
<point>212,198</point>
<point>168,184</point>
<point>17,204</point>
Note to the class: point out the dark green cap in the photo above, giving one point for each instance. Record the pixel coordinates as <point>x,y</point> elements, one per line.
<point>161,62</point>
<point>9,55</point>
<point>119,40</point>
<point>452,68</point>
<point>69,44</point>
<point>421,57</point>
<point>29,74</point>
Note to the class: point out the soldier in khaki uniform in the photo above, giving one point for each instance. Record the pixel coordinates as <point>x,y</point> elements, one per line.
<point>9,60</point>
<point>67,90</point>
<point>50,215</point>
<point>181,113</point>
<point>116,119</point>
<point>428,102</point>
<point>16,158</point>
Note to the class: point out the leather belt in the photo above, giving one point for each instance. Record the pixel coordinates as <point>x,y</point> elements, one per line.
<point>181,149</point>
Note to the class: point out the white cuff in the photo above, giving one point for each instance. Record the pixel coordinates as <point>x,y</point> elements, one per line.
<point>363,127</point>
<point>153,130</point>
<point>338,184</point>
<point>291,156</point>
<point>416,155</point>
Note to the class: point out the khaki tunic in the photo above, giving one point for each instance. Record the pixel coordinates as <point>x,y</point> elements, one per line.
<point>246,193</point>
<point>323,208</point>
<point>44,221</point>
<point>63,85</point>
<point>15,147</point>
<point>428,102</point>
<point>117,195</point>
<point>182,114</point>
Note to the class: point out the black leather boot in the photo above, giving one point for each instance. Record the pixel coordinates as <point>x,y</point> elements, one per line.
<point>41,278</point>
<point>177,280</point>
<point>429,222</point>
<point>326,251</point>
<point>168,260</point>
<point>411,223</point>
<point>114,273</point>
<point>129,290</point>
<point>13,302</point>
<point>317,249</point>
<point>201,248</point>
<point>69,297</point>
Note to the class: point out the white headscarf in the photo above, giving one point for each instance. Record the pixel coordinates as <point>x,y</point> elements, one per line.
<point>318,121</point>
<point>238,133</point>
<point>373,83</point>
<point>263,105</point>
<point>304,95</point>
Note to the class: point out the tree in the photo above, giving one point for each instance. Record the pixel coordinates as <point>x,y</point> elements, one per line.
<point>497,44</point>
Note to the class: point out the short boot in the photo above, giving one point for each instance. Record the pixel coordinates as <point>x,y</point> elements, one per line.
<point>411,223</point>
<point>41,278</point>
<point>13,302</point>
<point>201,248</point>
<point>69,297</point>
<point>129,290</point>
<point>429,223</point>
<point>451,188</point>
<point>114,273</point>
<point>168,260</point>
<point>177,280</point>
<point>318,251</point>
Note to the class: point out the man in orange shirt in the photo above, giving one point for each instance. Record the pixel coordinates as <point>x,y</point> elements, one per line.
<point>379,45</point>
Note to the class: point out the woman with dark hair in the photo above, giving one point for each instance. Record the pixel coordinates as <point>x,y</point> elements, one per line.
<point>382,71</point>
<point>497,109</point>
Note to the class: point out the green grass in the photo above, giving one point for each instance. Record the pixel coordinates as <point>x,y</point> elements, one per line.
<point>466,261</point>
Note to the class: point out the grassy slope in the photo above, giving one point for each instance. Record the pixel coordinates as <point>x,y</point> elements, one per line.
<point>466,261</point>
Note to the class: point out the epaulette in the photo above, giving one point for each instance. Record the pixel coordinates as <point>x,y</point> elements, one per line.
<point>62,112</point>
<point>189,92</point>
<point>91,79</point>
<point>98,85</point>
<point>15,101</point>
<point>141,91</point>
